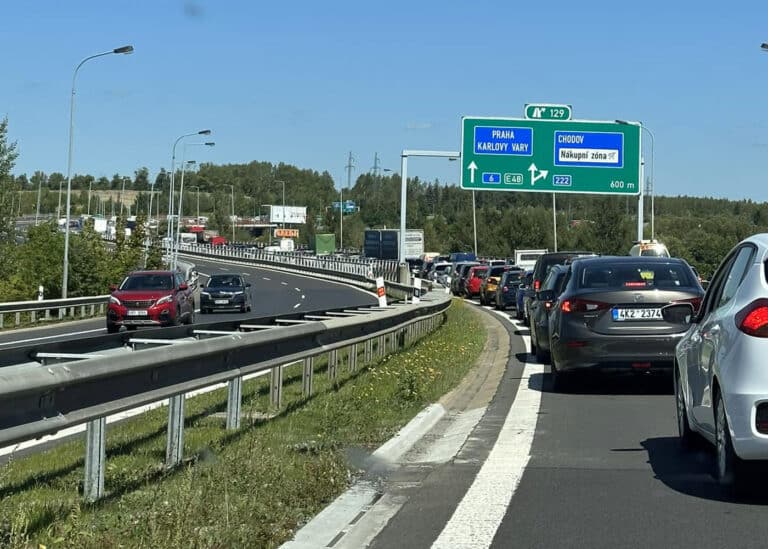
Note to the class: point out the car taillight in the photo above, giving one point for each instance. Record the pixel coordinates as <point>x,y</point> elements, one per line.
<point>504,289</point>
<point>536,285</point>
<point>582,306</point>
<point>695,301</point>
<point>753,319</point>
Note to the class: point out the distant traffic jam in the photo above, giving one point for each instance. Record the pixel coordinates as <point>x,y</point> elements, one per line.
<point>646,312</point>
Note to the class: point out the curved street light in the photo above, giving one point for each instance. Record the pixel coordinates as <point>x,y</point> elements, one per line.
<point>181,195</point>
<point>653,167</point>
<point>65,277</point>
<point>169,229</point>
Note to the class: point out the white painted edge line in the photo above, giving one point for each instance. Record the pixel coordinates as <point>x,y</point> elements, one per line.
<point>403,441</point>
<point>17,341</point>
<point>479,514</point>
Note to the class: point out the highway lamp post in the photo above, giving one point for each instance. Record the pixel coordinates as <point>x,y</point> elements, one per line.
<point>232,189</point>
<point>283,212</point>
<point>640,206</point>
<point>90,190</point>
<point>169,224</point>
<point>177,238</point>
<point>181,195</point>
<point>65,275</point>
<point>450,155</point>
<point>122,192</point>
<point>197,188</point>
<point>341,218</point>
<point>39,190</point>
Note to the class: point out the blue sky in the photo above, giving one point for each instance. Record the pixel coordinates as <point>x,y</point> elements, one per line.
<point>307,82</point>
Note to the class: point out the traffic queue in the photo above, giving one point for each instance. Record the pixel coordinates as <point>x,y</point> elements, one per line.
<point>644,313</point>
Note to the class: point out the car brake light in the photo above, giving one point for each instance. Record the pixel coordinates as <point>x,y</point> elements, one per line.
<point>582,306</point>
<point>753,319</point>
<point>505,289</point>
<point>695,301</point>
<point>536,285</point>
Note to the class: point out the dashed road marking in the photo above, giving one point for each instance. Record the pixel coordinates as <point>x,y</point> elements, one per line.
<point>297,306</point>
<point>266,278</point>
<point>297,289</point>
<point>284,283</point>
<point>302,296</point>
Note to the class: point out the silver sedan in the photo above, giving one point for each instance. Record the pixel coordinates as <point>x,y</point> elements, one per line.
<point>721,373</point>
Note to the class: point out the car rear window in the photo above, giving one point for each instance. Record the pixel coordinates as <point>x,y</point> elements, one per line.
<point>635,276</point>
<point>497,271</point>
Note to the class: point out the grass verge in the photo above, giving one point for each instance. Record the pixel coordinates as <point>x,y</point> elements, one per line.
<point>250,488</point>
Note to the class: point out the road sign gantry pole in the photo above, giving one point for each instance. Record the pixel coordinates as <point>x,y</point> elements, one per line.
<point>451,155</point>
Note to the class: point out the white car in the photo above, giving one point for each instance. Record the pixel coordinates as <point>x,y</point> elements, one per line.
<point>721,364</point>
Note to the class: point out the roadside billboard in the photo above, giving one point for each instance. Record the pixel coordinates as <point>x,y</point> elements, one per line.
<point>288,214</point>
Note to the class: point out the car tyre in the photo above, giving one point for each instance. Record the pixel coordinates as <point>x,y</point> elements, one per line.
<point>561,381</point>
<point>191,317</point>
<point>518,313</point>
<point>729,468</point>
<point>112,328</point>
<point>687,436</point>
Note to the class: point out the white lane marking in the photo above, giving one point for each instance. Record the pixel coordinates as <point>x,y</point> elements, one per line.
<point>302,296</point>
<point>284,283</point>
<point>297,289</point>
<point>66,335</point>
<point>477,518</point>
<point>203,274</point>
<point>297,306</point>
<point>266,278</point>
<point>223,269</point>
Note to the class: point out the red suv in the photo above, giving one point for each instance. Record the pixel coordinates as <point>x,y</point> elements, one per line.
<point>150,298</point>
<point>475,278</point>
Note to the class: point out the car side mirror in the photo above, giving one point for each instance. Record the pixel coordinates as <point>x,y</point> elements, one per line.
<point>183,286</point>
<point>678,313</point>
<point>545,295</point>
<point>112,287</point>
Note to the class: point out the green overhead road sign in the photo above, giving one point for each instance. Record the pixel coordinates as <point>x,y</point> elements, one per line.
<point>512,154</point>
<point>548,112</point>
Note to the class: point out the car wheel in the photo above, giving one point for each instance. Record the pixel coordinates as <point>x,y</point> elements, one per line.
<point>518,313</point>
<point>112,328</point>
<point>561,381</point>
<point>176,319</point>
<point>542,357</point>
<point>687,436</point>
<point>191,317</point>
<point>729,467</point>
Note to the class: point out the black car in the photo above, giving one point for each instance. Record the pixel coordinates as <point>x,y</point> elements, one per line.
<point>524,291</point>
<point>540,270</point>
<point>541,306</point>
<point>225,292</point>
<point>506,289</point>
<point>458,278</point>
<point>609,314</point>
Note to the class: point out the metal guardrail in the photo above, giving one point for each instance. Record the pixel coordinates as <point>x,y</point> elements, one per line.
<point>367,269</point>
<point>51,309</point>
<point>361,273</point>
<point>40,400</point>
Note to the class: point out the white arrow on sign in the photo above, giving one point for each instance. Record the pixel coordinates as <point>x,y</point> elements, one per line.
<point>472,167</point>
<point>534,177</point>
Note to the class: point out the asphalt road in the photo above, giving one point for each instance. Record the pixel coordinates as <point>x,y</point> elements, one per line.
<point>273,293</point>
<point>604,468</point>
